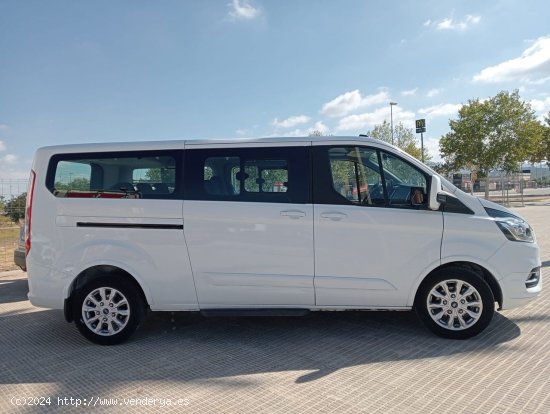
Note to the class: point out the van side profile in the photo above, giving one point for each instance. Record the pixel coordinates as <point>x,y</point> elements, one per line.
<point>266,226</point>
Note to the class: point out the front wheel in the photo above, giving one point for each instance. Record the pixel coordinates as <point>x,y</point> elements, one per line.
<point>108,310</point>
<point>455,303</point>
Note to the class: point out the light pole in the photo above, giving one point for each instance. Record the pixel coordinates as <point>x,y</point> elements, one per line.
<point>391,119</point>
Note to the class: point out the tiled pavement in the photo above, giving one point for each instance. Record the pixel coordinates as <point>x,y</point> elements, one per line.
<point>342,362</point>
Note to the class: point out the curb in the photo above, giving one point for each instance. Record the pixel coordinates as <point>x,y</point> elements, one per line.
<point>10,273</point>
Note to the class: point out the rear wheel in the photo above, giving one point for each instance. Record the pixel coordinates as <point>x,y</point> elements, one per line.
<point>455,303</point>
<point>108,311</point>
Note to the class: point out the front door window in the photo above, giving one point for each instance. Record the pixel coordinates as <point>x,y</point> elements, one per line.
<point>370,177</point>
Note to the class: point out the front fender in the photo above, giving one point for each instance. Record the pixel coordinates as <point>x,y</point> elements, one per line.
<point>448,260</point>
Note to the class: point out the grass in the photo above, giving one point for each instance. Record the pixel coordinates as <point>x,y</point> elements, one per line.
<point>9,234</point>
<point>5,221</point>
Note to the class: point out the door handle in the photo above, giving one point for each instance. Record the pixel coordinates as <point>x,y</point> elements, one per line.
<point>293,214</point>
<point>334,216</point>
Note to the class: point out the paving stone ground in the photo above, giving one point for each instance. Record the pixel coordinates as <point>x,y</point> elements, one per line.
<point>341,362</point>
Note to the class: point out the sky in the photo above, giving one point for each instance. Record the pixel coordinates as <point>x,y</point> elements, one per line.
<point>80,71</point>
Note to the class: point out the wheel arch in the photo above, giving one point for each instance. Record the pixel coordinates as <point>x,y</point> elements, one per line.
<point>94,272</point>
<point>483,272</point>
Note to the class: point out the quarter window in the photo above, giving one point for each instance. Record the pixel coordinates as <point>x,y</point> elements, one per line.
<point>115,175</point>
<point>72,176</point>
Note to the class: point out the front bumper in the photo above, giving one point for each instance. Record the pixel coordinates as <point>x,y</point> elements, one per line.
<point>515,263</point>
<point>515,292</point>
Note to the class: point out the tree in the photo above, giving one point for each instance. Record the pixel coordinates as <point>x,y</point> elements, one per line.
<point>497,133</point>
<point>161,175</point>
<point>318,133</point>
<point>15,208</point>
<point>402,138</point>
<point>315,133</point>
<point>82,184</point>
<point>544,148</point>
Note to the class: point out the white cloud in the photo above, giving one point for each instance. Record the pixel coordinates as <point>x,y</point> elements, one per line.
<point>440,110</point>
<point>8,159</point>
<point>537,82</point>
<point>13,168</point>
<point>427,23</point>
<point>350,101</point>
<point>541,106</point>
<point>432,145</point>
<point>319,126</point>
<point>409,92</point>
<point>300,132</point>
<point>433,92</point>
<point>2,146</point>
<point>291,121</point>
<point>242,131</point>
<point>535,60</point>
<point>451,24</point>
<point>367,120</point>
<point>243,10</point>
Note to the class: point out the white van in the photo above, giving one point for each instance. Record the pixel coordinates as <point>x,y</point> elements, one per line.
<point>266,226</point>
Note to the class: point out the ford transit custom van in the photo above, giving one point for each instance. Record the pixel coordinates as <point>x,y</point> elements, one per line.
<point>277,226</point>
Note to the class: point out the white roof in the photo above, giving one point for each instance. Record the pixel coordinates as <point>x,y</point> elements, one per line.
<point>180,144</point>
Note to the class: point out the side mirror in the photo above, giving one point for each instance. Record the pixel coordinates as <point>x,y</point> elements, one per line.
<point>435,187</point>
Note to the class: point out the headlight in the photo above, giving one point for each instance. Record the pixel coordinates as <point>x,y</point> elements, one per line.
<point>515,229</point>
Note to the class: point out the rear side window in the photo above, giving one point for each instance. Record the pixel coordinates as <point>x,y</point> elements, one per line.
<point>151,174</point>
<point>279,174</point>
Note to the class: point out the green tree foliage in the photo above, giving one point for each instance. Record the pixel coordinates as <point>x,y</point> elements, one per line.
<point>79,184</point>
<point>264,179</point>
<point>403,138</point>
<point>161,175</point>
<point>497,133</point>
<point>545,144</point>
<point>315,133</point>
<point>15,208</point>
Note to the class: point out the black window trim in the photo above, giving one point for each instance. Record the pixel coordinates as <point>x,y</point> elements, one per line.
<point>383,177</point>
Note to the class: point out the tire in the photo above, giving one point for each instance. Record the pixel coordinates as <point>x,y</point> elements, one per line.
<point>108,310</point>
<point>455,303</point>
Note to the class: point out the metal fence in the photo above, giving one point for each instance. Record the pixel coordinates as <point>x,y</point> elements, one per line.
<point>510,189</point>
<point>12,187</point>
<point>11,207</point>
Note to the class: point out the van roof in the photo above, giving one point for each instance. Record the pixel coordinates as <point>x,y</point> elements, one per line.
<point>178,144</point>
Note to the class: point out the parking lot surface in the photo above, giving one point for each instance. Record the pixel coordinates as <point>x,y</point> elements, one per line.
<point>338,362</point>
